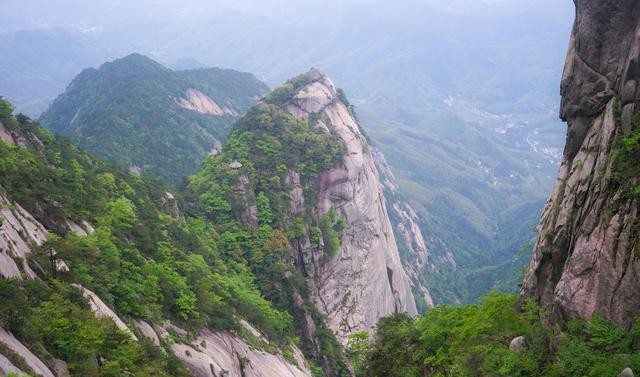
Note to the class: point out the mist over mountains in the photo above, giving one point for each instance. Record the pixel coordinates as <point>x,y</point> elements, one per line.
<point>461,96</point>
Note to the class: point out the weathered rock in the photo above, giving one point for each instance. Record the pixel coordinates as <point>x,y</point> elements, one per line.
<point>167,327</point>
<point>147,330</point>
<point>586,259</point>
<point>627,372</point>
<point>5,135</point>
<point>18,231</point>
<point>197,101</point>
<point>518,344</point>
<point>30,359</point>
<point>224,354</point>
<point>135,170</point>
<point>6,367</point>
<point>416,260</point>
<point>170,205</point>
<point>365,280</point>
<point>76,228</point>
<point>101,309</point>
<point>60,368</point>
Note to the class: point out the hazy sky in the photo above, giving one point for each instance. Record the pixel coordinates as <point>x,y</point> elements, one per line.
<point>21,14</point>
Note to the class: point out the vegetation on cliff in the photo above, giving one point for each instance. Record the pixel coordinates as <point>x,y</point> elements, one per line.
<point>474,340</point>
<point>267,148</point>
<point>143,260</point>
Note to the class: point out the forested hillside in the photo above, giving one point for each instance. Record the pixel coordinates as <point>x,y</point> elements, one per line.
<point>494,339</point>
<point>142,115</point>
<point>121,241</point>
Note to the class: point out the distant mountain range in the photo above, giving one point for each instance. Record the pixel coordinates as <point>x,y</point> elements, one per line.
<point>36,65</point>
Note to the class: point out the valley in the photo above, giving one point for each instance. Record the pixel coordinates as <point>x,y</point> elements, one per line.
<point>360,188</point>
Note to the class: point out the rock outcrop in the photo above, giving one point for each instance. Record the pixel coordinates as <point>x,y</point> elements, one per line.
<point>18,232</point>
<point>197,101</point>
<point>414,253</point>
<point>5,135</point>
<point>586,257</point>
<point>17,348</point>
<point>627,372</point>
<point>214,354</point>
<point>101,310</point>
<point>518,344</point>
<point>365,280</point>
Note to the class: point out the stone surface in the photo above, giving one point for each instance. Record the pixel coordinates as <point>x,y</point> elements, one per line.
<point>365,280</point>
<point>60,368</point>
<point>416,259</point>
<point>586,259</point>
<point>147,330</point>
<point>518,344</point>
<point>74,227</point>
<point>197,101</point>
<point>223,354</point>
<point>18,231</point>
<point>627,372</point>
<point>102,310</point>
<point>30,359</point>
<point>6,367</point>
<point>5,135</point>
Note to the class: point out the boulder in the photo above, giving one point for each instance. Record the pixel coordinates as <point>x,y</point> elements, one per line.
<point>518,344</point>
<point>627,372</point>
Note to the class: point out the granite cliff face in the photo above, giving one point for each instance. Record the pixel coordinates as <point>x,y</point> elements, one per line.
<point>414,252</point>
<point>365,280</point>
<point>586,259</point>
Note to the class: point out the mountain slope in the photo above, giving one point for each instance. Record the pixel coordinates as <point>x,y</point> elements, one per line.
<point>463,111</point>
<point>298,164</point>
<point>140,114</point>
<point>586,259</point>
<point>102,275</point>
<point>468,126</point>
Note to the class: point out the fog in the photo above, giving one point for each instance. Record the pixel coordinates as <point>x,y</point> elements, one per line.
<point>26,14</point>
<point>461,95</point>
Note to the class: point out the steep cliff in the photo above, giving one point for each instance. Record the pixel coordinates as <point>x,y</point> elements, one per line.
<point>365,279</point>
<point>296,184</point>
<point>416,258</point>
<point>586,257</point>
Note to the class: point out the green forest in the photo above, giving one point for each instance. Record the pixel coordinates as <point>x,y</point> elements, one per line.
<point>474,340</point>
<point>127,112</point>
<point>142,260</point>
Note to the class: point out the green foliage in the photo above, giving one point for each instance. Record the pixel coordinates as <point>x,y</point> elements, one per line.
<point>626,155</point>
<point>358,350</point>
<point>127,112</point>
<point>142,261</point>
<point>331,226</point>
<point>265,215</point>
<point>286,92</point>
<point>474,341</point>
<point>58,317</point>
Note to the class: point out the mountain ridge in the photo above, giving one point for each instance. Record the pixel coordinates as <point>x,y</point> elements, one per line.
<point>140,114</point>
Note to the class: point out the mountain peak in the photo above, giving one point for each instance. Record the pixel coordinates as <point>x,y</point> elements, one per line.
<point>305,94</point>
<point>132,64</point>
